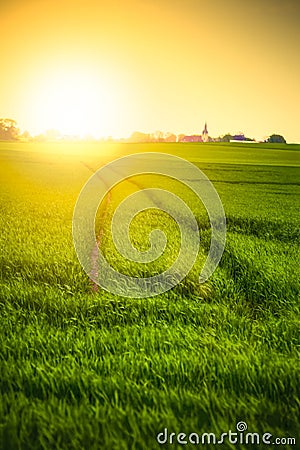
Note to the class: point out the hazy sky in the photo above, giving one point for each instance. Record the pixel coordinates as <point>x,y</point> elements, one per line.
<point>118,66</point>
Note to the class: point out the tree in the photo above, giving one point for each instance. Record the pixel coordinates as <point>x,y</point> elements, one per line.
<point>277,139</point>
<point>158,136</point>
<point>25,136</point>
<point>138,136</point>
<point>226,138</point>
<point>52,135</point>
<point>9,130</point>
<point>170,137</point>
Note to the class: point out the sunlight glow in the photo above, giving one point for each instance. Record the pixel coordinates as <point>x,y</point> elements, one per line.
<point>75,103</point>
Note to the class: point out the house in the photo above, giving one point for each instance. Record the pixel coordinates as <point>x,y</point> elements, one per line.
<point>193,138</point>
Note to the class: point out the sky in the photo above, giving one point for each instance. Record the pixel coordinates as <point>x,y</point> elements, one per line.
<point>108,68</point>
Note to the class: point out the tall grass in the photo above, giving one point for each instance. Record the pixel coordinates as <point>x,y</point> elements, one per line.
<point>80,370</point>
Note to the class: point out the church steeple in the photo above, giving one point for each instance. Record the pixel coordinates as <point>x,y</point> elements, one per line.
<point>205,133</point>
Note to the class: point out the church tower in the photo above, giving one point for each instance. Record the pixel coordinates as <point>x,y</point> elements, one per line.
<point>205,134</point>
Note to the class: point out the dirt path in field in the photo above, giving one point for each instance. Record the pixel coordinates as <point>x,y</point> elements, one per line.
<point>99,236</point>
<point>94,254</point>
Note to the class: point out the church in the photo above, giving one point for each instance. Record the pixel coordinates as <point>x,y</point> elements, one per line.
<point>205,134</point>
<point>196,137</point>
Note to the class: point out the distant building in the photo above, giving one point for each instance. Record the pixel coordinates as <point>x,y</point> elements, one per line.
<point>240,137</point>
<point>243,142</point>
<point>205,134</point>
<point>194,138</point>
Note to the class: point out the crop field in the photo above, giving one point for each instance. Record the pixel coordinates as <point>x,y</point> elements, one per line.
<point>82,368</point>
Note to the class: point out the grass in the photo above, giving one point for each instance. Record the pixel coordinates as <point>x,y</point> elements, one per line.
<point>84,370</point>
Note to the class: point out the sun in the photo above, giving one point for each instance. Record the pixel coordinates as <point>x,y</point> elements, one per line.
<point>76,103</point>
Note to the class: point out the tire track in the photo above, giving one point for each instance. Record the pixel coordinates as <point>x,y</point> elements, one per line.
<point>108,200</point>
<point>94,253</point>
<point>99,236</point>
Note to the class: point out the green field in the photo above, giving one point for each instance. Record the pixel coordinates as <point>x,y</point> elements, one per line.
<point>89,370</point>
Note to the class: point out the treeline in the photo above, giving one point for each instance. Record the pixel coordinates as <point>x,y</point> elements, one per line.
<point>274,138</point>
<point>160,136</point>
<point>9,131</point>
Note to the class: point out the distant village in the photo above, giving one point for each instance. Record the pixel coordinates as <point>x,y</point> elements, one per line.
<point>203,137</point>
<point>9,131</point>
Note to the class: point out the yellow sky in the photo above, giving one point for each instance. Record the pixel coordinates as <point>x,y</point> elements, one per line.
<point>152,65</point>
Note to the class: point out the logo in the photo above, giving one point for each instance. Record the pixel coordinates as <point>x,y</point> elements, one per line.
<point>99,186</point>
